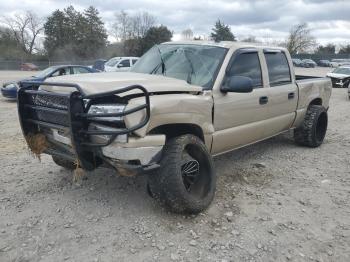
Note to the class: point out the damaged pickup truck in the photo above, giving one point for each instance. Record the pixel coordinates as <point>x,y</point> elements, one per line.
<point>181,104</point>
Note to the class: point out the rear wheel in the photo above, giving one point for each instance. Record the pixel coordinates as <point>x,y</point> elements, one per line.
<point>64,162</point>
<point>185,182</point>
<point>313,130</point>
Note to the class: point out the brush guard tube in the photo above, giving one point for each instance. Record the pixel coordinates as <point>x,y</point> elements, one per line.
<point>38,109</point>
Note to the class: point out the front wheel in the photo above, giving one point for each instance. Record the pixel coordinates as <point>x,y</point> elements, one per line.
<point>186,180</point>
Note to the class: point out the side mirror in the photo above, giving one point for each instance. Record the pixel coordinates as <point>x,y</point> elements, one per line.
<point>238,84</point>
<point>120,65</point>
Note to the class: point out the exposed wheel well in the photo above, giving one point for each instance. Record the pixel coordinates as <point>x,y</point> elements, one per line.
<point>316,101</point>
<point>173,130</point>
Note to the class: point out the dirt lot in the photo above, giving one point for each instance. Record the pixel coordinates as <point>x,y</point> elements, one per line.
<point>275,202</point>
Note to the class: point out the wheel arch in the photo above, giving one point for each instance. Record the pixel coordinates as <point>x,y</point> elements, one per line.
<point>178,129</point>
<point>317,101</point>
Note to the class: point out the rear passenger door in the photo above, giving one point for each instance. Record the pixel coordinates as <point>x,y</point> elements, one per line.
<point>283,92</point>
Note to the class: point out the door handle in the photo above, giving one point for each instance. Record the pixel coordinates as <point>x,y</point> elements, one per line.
<point>291,95</point>
<point>263,100</point>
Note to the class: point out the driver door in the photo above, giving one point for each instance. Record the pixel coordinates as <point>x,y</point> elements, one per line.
<point>240,118</point>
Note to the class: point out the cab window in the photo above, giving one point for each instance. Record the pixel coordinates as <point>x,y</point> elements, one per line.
<point>124,63</point>
<point>61,72</point>
<point>247,65</point>
<point>278,68</point>
<point>80,70</point>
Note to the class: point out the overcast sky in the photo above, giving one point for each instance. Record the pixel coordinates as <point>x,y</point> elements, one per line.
<point>270,19</point>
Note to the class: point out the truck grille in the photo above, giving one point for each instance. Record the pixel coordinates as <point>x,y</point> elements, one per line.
<point>49,108</point>
<point>39,110</point>
<point>49,101</point>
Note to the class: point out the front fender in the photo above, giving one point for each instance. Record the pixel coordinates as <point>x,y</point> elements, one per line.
<point>174,109</point>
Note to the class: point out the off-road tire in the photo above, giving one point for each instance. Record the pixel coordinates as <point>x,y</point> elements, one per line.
<point>169,187</point>
<point>314,127</point>
<point>63,163</point>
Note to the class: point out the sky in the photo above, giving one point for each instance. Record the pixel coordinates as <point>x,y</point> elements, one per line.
<point>268,20</point>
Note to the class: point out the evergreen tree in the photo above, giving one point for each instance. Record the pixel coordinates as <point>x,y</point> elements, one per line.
<point>156,35</point>
<point>71,34</point>
<point>95,32</point>
<point>222,32</point>
<point>55,30</point>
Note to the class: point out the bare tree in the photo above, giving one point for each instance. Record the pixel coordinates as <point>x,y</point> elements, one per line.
<point>130,27</point>
<point>187,34</point>
<point>300,39</point>
<point>147,21</point>
<point>25,29</point>
<point>122,25</point>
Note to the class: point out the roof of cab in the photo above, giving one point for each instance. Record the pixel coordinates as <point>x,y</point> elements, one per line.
<point>225,44</point>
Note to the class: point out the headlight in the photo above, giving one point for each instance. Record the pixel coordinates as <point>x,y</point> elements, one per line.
<point>107,109</point>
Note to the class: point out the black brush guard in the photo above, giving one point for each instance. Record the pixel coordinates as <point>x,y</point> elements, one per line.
<point>38,109</point>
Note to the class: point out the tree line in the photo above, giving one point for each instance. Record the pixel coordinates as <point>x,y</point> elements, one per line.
<point>72,35</point>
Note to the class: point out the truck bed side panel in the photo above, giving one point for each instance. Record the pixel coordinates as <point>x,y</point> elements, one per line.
<point>310,89</point>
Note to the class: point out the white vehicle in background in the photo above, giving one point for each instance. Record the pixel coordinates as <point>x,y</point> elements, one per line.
<point>120,64</point>
<point>339,62</point>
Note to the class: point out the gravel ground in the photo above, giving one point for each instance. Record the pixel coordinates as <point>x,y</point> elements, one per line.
<point>275,201</point>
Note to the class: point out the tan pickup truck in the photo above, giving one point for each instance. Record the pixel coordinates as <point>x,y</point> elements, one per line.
<point>180,105</point>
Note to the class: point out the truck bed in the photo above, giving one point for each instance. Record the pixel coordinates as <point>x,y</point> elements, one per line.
<point>312,87</point>
<point>304,77</point>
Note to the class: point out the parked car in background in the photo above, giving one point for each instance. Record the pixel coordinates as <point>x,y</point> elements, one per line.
<point>120,64</point>
<point>28,67</point>
<point>339,62</point>
<point>324,63</point>
<point>99,64</point>
<point>309,63</point>
<point>334,62</point>
<point>297,62</point>
<point>9,89</point>
<point>340,77</point>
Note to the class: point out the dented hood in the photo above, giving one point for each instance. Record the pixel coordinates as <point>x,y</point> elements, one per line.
<point>338,76</point>
<point>103,82</point>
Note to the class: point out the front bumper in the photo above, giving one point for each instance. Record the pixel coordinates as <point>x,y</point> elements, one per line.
<point>140,150</point>
<point>146,150</point>
<point>64,120</point>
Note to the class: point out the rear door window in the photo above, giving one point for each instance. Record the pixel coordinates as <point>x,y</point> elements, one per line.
<point>278,68</point>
